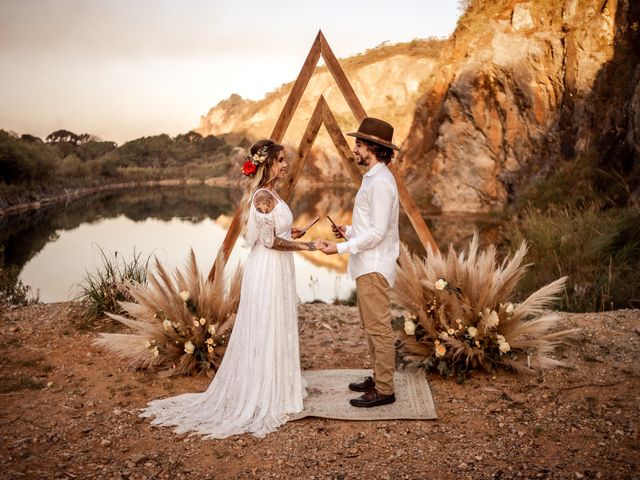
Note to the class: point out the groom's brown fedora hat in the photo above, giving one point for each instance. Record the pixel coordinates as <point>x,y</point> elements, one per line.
<point>376,131</point>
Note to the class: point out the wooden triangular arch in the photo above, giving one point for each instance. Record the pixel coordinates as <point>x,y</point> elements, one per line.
<point>322,115</point>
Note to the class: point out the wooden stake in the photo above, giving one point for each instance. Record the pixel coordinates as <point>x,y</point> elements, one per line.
<point>322,115</point>
<point>341,143</point>
<point>303,151</point>
<point>341,79</point>
<point>296,92</point>
<point>413,213</point>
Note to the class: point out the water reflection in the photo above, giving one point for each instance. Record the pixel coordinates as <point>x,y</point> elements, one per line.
<point>54,247</point>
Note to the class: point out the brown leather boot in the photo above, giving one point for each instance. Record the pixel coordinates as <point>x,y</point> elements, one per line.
<point>372,398</point>
<point>365,385</point>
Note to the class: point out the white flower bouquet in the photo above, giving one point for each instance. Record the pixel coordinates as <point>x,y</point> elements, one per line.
<point>459,315</point>
<point>181,324</point>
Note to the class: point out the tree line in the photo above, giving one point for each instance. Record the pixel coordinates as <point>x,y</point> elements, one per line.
<point>65,157</point>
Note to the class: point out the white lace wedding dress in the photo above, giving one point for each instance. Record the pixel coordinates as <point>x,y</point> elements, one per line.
<point>259,381</point>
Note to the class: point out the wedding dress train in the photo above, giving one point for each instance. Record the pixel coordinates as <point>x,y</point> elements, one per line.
<point>259,382</point>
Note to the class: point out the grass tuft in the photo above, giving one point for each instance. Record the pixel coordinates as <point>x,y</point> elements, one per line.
<point>102,290</point>
<point>598,249</point>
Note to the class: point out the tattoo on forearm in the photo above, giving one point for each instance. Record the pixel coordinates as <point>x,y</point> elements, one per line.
<point>288,245</point>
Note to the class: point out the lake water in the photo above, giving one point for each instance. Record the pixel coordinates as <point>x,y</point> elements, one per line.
<point>55,247</point>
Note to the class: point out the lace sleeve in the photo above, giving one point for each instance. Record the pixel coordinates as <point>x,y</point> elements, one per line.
<point>262,226</point>
<point>265,228</point>
<point>261,222</point>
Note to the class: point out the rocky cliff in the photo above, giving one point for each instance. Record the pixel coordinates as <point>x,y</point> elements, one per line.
<point>525,87</point>
<point>518,89</point>
<point>388,79</point>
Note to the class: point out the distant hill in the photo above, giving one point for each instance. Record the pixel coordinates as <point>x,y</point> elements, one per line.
<point>519,91</point>
<point>388,79</point>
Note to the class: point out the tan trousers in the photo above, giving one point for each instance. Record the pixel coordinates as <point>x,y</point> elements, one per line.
<point>375,312</point>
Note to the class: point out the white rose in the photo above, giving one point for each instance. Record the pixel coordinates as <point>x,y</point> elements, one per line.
<point>189,347</point>
<point>166,324</point>
<point>500,338</point>
<point>441,284</point>
<point>493,319</point>
<point>509,308</point>
<point>203,321</point>
<point>472,331</point>
<point>212,330</point>
<point>443,335</point>
<point>155,351</point>
<point>504,347</point>
<point>409,327</point>
<point>210,349</point>
<point>185,295</point>
<point>451,331</point>
<point>210,341</point>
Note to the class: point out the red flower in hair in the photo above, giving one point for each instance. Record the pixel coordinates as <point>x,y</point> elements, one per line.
<point>248,168</point>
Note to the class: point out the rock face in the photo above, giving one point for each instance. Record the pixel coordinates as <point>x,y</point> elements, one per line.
<point>388,81</point>
<point>519,88</point>
<point>521,91</point>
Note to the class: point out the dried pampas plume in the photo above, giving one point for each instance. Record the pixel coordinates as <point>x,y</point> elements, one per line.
<point>181,323</point>
<point>459,315</point>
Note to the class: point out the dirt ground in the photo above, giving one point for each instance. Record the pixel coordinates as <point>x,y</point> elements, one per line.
<point>70,411</point>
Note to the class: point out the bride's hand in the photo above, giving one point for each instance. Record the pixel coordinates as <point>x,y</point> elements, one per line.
<point>319,244</point>
<point>297,232</point>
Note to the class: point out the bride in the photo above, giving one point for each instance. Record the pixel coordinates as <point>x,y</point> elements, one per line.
<point>259,382</point>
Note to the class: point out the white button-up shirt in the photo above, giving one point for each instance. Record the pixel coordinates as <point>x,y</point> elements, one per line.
<point>372,239</point>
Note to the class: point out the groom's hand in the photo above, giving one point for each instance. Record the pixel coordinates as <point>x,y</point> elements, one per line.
<point>329,247</point>
<point>340,231</point>
<point>319,244</point>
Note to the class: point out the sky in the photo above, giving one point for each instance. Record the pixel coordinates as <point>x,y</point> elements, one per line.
<point>122,69</point>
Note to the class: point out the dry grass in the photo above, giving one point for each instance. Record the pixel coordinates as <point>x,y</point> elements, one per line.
<point>181,324</point>
<point>459,314</point>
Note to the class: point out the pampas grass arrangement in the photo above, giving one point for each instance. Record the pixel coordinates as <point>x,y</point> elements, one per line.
<point>459,315</point>
<point>181,324</point>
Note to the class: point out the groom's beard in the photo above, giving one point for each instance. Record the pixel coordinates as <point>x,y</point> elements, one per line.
<point>362,161</point>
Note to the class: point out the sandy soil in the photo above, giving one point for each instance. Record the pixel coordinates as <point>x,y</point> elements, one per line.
<point>70,411</point>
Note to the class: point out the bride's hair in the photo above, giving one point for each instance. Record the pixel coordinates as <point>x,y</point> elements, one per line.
<point>262,175</point>
<point>263,172</point>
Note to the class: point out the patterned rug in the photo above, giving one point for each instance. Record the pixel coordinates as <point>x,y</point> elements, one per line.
<point>329,397</point>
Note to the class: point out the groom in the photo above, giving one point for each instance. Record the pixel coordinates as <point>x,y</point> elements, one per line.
<point>373,245</point>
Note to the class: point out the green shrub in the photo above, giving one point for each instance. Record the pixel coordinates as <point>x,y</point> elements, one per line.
<point>72,166</point>
<point>102,290</point>
<point>24,161</point>
<point>599,249</point>
<point>12,290</point>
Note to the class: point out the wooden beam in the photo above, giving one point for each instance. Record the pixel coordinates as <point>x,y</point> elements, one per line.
<point>276,135</point>
<point>341,79</point>
<point>296,92</point>
<point>229,240</point>
<point>322,114</point>
<point>413,213</point>
<point>340,142</point>
<point>304,149</point>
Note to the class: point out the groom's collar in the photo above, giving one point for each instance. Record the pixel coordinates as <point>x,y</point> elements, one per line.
<point>374,169</point>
